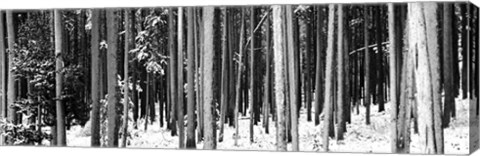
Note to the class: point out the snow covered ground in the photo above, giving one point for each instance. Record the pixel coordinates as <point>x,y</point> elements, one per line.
<point>362,138</point>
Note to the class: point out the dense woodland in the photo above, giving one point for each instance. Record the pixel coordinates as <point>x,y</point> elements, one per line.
<point>196,72</point>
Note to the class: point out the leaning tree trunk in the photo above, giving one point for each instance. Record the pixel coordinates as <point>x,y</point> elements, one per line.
<point>328,105</point>
<point>278,51</point>
<point>423,34</point>
<point>60,109</point>
<point>209,107</point>
<point>112,129</point>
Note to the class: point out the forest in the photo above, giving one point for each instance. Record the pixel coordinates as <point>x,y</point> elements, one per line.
<point>381,78</point>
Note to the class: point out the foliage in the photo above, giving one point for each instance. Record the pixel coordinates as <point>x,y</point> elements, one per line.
<point>22,134</point>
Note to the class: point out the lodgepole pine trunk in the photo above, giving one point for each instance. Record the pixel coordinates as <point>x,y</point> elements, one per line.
<point>319,69</point>
<point>448,51</point>
<point>173,73</point>
<point>224,84</point>
<point>340,75</point>
<point>95,56</point>
<point>112,129</point>
<point>180,93</point>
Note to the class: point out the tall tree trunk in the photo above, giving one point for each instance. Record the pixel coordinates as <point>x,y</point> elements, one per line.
<point>180,107</point>
<point>94,42</point>
<point>173,73</point>
<point>125,77</point>
<point>366,100</point>
<point>209,107</point>
<point>241,67</point>
<point>319,88</point>
<point>448,51</point>
<point>380,54</point>
<point>292,77</point>
<point>190,80</point>
<point>11,94</point>
<point>278,49</point>
<point>424,35</point>
<point>224,83</point>
<point>60,109</point>
<point>252,86</point>
<point>112,129</point>
<point>340,75</point>
<point>3,76</point>
<point>328,107</point>
<point>267,83</point>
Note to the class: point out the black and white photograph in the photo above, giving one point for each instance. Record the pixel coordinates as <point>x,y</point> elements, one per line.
<point>329,77</point>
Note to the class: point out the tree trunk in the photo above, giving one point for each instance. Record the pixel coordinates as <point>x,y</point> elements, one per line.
<point>241,67</point>
<point>328,107</point>
<point>224,83</point>
<point>11,94</point>
<point>381,74</point>
<point>424,35</point>
<point>95,56</point>
<point>278,49</point>
<point>61,135</point>
<point>252,86</point>
<point>190,78</point>
<point>209,107</point>
<point>292,78</point>
<point>319,88</point>
<point>3,77</point>
<point>340,75</point>
<point>173,73</point>
<point>112,129</point>
<point>125,77</point>
<point>448,51</point>
<point>180,107</point>
<point>366,98</point>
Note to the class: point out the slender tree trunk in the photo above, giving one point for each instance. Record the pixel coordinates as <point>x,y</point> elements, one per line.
<point>125,77</point>
<point>112,129</point>
<point>366,98</point>
<point>448,81</point>
<point>3,77</point>
<point>292,78</point>
<point>241,67</point>
<point>267,86</point>
<point>224,83</point>
<point>180,107</point>
<point>319,69</point>
<point>173,73</point>
<point>11,94</point>
<point>190,78</point>
<point>340,75</point>
<point>252,86</point>
<point>328,107</point>
<point>61,135</point>
<point>209,107</point>
<point>278,49</point>
<point>95,116</point>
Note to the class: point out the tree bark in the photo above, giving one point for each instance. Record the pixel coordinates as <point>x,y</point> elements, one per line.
<point>209,107</point>
<point>190,78</point>
<point>11,94</point>
<point>173,73</point>
<point>367,68</point>
<point>180,107</point>
<point>241,67</point>
<point>328,107</point>
<point>95,56</point>
<point>112,129</point>
<point>292,77</point>
<point>61,135</point>
<point>448,81</point>
<point>278,49</point>
<point>125,77</point>
<point>224,83</point>
<point>340,75</point>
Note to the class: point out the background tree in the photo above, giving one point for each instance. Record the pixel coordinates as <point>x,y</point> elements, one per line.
<point>95,55</point>
<point>209,107</point>
<point>61,133</point>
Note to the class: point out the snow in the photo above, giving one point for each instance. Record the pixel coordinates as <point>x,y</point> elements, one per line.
<point>360,138</point>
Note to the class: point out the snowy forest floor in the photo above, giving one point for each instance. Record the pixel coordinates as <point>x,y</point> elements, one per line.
<point>373,138</point>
